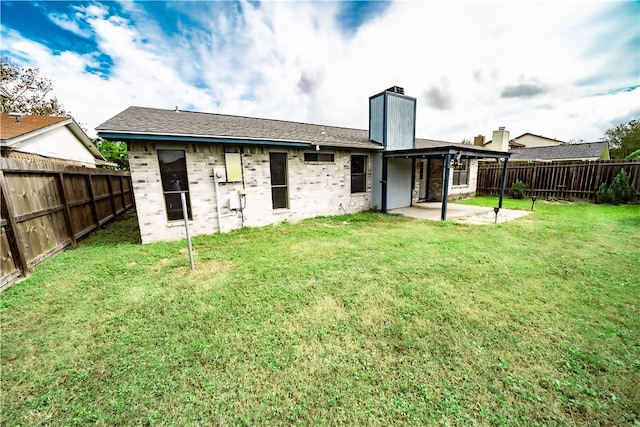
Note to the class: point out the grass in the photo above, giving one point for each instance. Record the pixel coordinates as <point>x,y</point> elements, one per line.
<point>385,320</point>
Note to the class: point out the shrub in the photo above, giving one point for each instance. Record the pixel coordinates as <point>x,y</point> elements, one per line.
<point>604,194</point>
<point>620,191</point>
<point>517,190</point>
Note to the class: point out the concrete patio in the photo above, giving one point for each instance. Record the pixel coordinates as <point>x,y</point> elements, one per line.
<point>462,213</point>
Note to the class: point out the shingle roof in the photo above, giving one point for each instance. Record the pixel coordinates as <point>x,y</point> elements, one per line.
<point>589,150</point>
<point>538,136</point>
<point>11,128</point>
<point>153,121</point>
<point>429,143</point>
<point>13,132</point>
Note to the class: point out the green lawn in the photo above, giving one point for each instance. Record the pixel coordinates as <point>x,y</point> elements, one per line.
<point>384,320</point>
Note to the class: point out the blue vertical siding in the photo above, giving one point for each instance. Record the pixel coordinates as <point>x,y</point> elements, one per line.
<point>401,113</point>
<point>376,118</point>
<point>399,183</point>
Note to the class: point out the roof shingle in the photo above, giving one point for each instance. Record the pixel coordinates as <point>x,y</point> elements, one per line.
<point>589,150</point>
<point>11,128</point>
<point>153,121</point>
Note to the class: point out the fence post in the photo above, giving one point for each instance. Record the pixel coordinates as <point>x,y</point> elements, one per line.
<point>124,201</point>
<point>112,202</point>
<point>503,181</point>
<point>94,206</point>
<point>596,183</point>
<point>17,237</point>
<point>67,211</point>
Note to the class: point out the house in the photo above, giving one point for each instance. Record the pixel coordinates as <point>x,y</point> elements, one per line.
<point>526,140</point>
<point>242,171</point>
<point>583,151</point>
<point>57,139</point>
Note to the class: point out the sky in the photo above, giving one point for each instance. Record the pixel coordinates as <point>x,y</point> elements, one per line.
<point>567,70</point>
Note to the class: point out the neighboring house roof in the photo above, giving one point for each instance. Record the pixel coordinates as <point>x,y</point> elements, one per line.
<point>159,124</point>
<point>556,141</point>
<point>14,130</point>
<point>513,143</point>
<point>585,151</point>
<point>13,127</point>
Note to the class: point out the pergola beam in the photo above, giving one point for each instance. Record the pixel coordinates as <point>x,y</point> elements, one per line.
<point>446,152</point>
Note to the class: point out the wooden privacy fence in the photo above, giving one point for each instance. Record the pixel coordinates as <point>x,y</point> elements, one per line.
<point>568,180</point>
<point>47,207</point>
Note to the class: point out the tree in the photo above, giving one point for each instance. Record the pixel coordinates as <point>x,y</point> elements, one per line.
<point>114,151</point>
<point>623,139</point>
<point>25,91</point>
<point>634,155</point>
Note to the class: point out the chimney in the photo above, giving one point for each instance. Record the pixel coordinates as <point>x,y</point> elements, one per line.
<point>392,119</point>
<point>479,140</point>
<point>500,140</point>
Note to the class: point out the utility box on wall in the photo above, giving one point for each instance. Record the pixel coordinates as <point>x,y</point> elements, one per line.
<point>233,165</point>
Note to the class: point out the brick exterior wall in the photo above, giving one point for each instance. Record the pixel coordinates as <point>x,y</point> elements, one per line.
<point>436,174</point>
<point>314,188</point>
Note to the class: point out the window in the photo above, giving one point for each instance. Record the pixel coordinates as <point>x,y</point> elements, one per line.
<point>173,173</point>
<point>358,174</point>
<point>279,191</point>
<point>319,157</point>
<point>461,173</point>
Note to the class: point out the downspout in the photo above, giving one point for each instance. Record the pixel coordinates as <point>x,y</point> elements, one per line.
<point>215,184</point>
<point>445,187</point>
<point>503,181</point>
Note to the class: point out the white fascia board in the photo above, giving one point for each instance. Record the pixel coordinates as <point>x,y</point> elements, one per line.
<point>86,141</point>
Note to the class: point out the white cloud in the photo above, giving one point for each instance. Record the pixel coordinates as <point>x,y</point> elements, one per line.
<point>532,67</point>
<point>69,24</point>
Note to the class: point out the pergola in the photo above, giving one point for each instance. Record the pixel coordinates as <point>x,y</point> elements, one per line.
<point>448,152</point>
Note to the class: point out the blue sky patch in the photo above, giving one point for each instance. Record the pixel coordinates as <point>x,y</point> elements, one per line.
<point>355,13</point>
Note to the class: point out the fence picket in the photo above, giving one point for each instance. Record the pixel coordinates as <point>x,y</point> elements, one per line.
<point>567,179</point>
<point>47,207</point>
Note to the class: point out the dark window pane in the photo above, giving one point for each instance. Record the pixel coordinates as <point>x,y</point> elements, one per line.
<point>461,173</point>
<point>173,174</point>
<point>173,170</point>
<point>318,157</point>
<point>358,174</point>
<point>173,203</point>
<point>357,184</point>
<point>279,192</point>
<point>357,164</point>
<point>279,197</point>
<point>278,163</point>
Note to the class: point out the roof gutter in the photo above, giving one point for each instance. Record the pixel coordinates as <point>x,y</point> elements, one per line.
<point>125,136</point>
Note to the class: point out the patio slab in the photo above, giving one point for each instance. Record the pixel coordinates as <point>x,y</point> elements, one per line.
<point>461,213</point>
